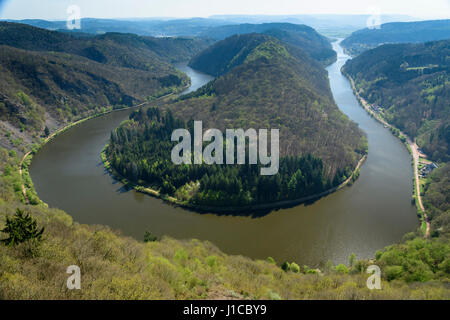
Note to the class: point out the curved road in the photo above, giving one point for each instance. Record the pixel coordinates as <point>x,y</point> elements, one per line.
<point>414,150</point>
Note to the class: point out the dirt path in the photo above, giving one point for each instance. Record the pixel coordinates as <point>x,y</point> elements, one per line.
<point>414,151</point>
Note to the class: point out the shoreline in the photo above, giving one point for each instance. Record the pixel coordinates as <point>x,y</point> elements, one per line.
<point>412,149</point>
<point>28,156</point>
<point>221,210</point>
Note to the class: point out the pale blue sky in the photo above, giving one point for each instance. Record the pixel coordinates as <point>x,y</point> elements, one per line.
<point>56,9</point>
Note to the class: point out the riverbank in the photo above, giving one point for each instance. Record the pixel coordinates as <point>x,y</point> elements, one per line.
<point>413,150</point>
<point>211,209</point>
<point>27,186</point>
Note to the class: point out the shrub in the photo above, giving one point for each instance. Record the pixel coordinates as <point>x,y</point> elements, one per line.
<point>271,260</point>
<point>286,266</point>
<point>295,267</point>
<point>342,268</point>
<point>149,237</point>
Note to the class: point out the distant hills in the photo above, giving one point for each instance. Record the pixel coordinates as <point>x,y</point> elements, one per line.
<point>49,77</point>
<point>294,34</point>
<point>397,32</point>
<point>411,84</point>
<point>333,25</point>
<point>316,45</point>
<point>143,27</point>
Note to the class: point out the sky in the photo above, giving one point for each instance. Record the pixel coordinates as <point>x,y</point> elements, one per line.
<point>57,9</point>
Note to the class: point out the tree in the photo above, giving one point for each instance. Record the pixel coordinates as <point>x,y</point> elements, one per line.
<point>46,131</point>
<point>21,228</point>
<point>149,237</point>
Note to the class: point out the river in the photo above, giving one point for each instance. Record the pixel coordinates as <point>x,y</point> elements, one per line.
<point>376,211</point>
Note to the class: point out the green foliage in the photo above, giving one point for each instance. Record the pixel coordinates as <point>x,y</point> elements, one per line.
<point>411,84</point>
<point>149,237</point>
<point>265,91</point>
<point>437,201</point>
<point>21,228</point>
<point>47,72</point>
<point>341,268</point>
<point>415,260</point>
<point>140,150</point>
<point>286,266</point>
<point>294,267</point>
<point>271,260</point>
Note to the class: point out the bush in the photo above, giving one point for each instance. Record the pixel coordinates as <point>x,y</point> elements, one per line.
<point>271,260</point>
<point>342,269</point>
<point>295,267</point>
<point>149,237</point>
<point>286,266</point>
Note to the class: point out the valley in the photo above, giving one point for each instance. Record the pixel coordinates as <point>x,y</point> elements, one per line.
<point>334,223</point>
<point>91,174</point>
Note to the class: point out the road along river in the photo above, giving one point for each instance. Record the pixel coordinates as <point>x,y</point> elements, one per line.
<point>376,211</point>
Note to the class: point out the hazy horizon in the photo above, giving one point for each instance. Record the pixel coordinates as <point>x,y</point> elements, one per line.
<point>179,9</point>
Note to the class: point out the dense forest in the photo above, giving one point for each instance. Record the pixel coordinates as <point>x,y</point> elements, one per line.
<point>397,32</point>
<point>50,78</point>
<point>140,150</point>
<point>265,83</point>
<point>410,83</point>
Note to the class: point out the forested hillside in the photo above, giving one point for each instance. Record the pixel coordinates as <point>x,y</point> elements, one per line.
<point>397,32</point>
<point>408,85</point>
<point>437,201</point>
<point>50,78</point>
<point>411,85</point>
<point>264,83</point>
<point>302,36</point>
<point>121,49</point>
